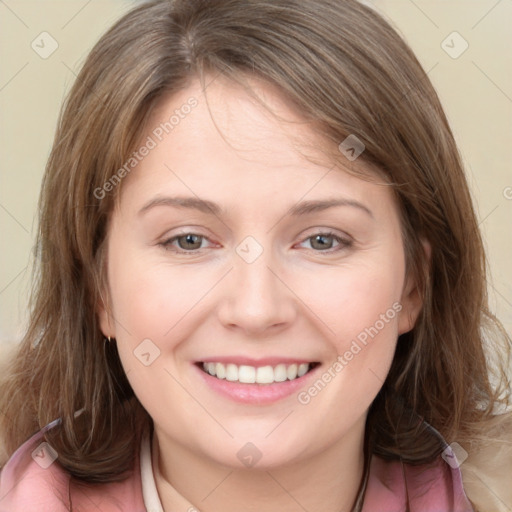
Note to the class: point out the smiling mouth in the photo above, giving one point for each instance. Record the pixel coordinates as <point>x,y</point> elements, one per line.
<point>245,374</point>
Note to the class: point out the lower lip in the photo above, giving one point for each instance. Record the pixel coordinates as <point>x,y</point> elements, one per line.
<point>255,393</point>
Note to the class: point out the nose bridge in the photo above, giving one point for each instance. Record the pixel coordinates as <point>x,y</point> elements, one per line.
<point>257,298</point>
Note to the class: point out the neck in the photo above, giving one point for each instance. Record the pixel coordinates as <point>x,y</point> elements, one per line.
<point>328,481</point>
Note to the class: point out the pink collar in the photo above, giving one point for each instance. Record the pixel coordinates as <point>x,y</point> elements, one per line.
<point>25,484</point>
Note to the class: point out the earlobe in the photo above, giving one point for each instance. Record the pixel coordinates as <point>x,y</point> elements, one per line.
<point>411,307</point>
<point>105,318</point>
<point>412,300</point>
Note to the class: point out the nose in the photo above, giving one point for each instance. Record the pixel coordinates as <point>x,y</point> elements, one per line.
<point>256,298</point>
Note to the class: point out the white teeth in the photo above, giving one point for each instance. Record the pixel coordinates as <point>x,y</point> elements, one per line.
<point>247,374</point>
<point>231,372</point>
<point>280,373</point>
<point>220,370</point>
<point>303,368</point>
<point>265,375</point>
<point>291,371</point>
<point>261,375</point>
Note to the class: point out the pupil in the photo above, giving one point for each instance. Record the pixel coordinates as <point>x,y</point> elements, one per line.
<point>319,238</point>
<point>191,239</point>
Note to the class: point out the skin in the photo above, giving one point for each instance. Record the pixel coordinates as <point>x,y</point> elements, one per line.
<point>295,299</point>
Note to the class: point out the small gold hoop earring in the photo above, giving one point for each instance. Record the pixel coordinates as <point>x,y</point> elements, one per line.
<point>109,339</point>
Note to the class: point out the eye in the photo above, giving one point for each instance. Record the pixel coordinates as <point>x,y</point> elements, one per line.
<point>323,242</point>
<point>192,242</point>
<point>187,242</point>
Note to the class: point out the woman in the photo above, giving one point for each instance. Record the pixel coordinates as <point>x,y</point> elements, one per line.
<point>196,345</point>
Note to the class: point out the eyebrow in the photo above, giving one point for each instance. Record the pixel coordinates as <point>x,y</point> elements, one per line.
<point>211,208</point>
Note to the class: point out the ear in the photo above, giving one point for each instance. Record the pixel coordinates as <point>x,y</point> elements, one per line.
<point>106,319</point>
<point>411,301</point>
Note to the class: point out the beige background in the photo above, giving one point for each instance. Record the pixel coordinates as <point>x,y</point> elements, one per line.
<point>475,88</point>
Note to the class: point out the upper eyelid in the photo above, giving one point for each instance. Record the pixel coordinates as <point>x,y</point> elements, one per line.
<point>345,238</point>
<point>318,231</point>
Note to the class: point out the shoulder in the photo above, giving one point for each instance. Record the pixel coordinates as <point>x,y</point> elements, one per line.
<point>32,480</point>
<point>394,486</point>
<point>487,470</point>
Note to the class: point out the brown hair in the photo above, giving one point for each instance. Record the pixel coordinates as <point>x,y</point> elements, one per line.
<point>348,71</point>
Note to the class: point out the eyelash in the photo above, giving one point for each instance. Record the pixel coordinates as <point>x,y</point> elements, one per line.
<point>344,243</point>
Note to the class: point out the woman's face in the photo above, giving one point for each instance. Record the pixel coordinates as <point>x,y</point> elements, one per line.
<point>232,253</point>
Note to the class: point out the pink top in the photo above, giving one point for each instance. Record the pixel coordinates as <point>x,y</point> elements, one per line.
<point>33,481</point>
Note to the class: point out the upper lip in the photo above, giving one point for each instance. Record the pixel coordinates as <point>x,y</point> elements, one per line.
<point>248,361</point>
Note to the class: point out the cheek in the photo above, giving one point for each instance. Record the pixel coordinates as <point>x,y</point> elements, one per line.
<point>350,299</point>
<point>368,305</point>
<point>148,305</point>
<point>150,299</point>
<point>360,307</point>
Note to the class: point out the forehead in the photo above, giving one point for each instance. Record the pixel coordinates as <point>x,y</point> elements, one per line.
<point>255,118</point>
<point>223,139</point>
